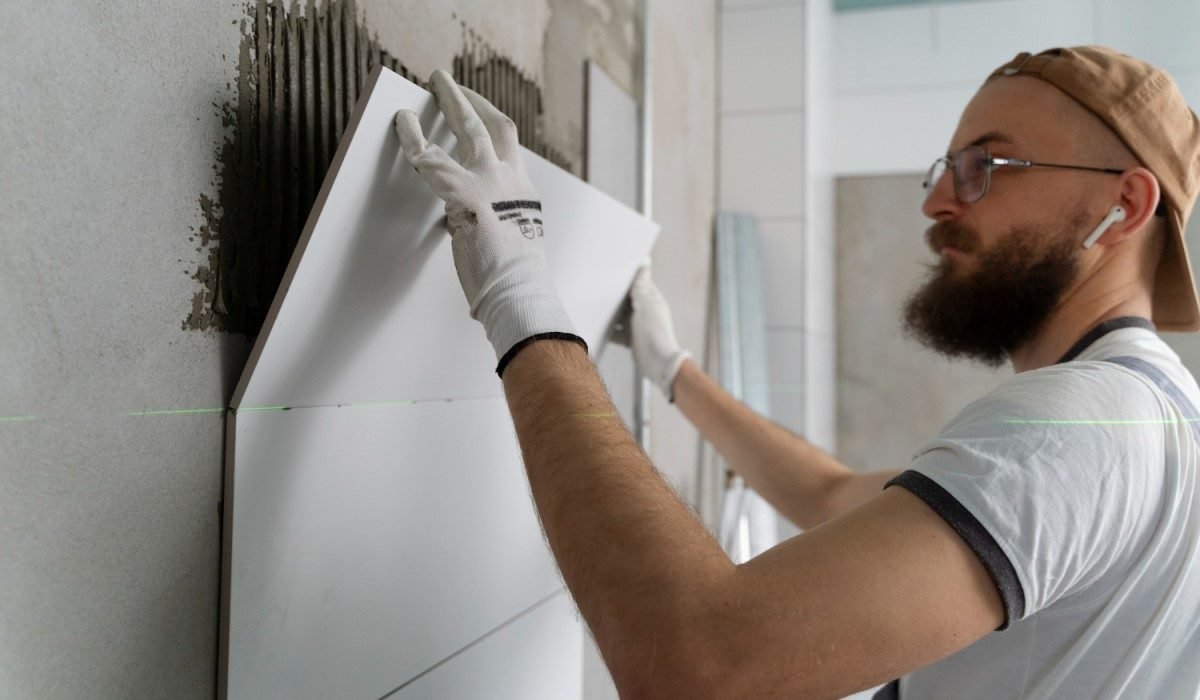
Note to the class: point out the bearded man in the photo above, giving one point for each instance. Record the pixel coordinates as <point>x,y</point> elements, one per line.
<point>1046,543</point>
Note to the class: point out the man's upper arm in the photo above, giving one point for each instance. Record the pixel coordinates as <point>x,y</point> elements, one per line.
<point>856,488</point>
<point>871,595</point>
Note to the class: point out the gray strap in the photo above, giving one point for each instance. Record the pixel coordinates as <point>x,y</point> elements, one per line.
<point>1168,387</point>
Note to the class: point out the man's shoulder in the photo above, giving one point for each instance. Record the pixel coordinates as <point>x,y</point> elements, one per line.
<point>1095,389</point>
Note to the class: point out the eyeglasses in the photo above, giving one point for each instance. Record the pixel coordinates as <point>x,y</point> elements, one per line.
<point>973,168</point>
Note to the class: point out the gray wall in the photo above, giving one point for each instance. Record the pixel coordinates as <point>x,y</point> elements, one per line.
<point>110,130</point>
<point>892,393</point>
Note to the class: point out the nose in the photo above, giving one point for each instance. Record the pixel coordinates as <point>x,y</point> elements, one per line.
<point>941,203</point>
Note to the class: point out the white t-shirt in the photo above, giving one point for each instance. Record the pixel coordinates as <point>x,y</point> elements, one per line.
<point>1076,484</point>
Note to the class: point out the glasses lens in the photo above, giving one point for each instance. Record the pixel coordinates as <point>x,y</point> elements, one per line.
<point>971,173</point>
<point>936,171</point>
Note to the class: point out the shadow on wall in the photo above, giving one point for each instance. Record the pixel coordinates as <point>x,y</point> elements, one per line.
<point>300,70</point>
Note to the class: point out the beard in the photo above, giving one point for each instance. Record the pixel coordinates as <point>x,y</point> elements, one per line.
<point>1001,305</point>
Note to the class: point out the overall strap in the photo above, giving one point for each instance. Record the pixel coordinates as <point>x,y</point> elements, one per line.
<point>1168,387</point>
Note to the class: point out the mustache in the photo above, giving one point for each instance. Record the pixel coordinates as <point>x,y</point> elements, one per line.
<point>949,233</point>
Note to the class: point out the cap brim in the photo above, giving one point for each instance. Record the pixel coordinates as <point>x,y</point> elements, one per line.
<point>1175,305</point>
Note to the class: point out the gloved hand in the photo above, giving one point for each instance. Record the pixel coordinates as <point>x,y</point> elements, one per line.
<point>655,348</point>
<point>495,220</point>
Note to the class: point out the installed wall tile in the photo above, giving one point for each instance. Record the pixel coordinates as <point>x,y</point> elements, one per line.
<point>882,48</point>
<point>782,245</point>
<point>895,132</point>
<point>740,5</point>
<point>820,389</point>
<point>1189,85</point>
<point>1163,32</point>
<point>761,164</point>
<point>787,409</point>
<point>820,257</point>
<point>762,58</point>
<point>975,38</point>
<point>950,44</point>
<point>785,361</point>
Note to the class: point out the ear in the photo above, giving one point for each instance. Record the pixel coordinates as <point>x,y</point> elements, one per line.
<point>1139,196</point>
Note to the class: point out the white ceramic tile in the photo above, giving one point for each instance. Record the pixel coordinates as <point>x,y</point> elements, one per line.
<point>974,38</point>
<point>895,132</point>
<point>950,44</point>
<point>538,656</point>
<point>820,271</point>
<point>754,5</point>
<point>785,360</point>
<point>761,165</point>
<point>782,245</point>
<point>762,59</point>
<point>372,536</point>
<point>820,396</point>
<point>371,309</point>
<point>882,48</point>
<point>370,543</point>
<point>597,681</point>
<point>787,409</point>
<point>1163,32</point>
<point>1189,85</point>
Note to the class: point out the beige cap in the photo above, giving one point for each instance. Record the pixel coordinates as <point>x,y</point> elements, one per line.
<point>1143,105</point>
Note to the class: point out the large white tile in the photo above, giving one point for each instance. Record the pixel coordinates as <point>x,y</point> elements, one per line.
<point>367,544</point>
<point>895,132</point>
<point>538,656</point>
<point>762,167</point>
<point>370,308</point>
<point>782,246</point>
<point>1163,32</point>
<point>762,59</point>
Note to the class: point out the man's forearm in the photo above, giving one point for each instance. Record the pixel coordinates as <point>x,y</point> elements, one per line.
<point>640,566</point>
<point>793,475</point>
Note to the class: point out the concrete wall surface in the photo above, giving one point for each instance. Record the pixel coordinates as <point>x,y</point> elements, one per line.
<point>892,392</point>
<point>110,521</point>
<point>111,413</point>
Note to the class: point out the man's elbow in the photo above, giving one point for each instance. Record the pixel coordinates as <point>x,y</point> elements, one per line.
<point>684,664</point>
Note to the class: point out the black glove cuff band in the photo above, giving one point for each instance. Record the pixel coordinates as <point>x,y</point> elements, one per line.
<point>554,335</point>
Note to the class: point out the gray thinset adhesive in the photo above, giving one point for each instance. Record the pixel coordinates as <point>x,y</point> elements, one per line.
<point>300,70</point>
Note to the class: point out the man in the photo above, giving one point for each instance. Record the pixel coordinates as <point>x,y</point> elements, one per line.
<point>1045,544</point>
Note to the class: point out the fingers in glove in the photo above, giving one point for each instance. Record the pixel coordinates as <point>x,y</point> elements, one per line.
<point>435,165</point>
<point>474,142</point>
<point>643,287</point>
<point>500,126</point>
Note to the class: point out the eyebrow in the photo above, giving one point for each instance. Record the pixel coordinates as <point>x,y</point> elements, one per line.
<point>991,137</point>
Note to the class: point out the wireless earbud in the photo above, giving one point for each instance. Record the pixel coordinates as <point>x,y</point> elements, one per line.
<point>1117,213</point>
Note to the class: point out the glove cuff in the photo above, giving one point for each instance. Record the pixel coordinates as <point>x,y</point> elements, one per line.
<point>553,335</point>
<point>670,371</point>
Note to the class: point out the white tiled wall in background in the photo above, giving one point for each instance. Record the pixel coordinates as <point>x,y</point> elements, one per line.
<point>776,87</point>
<point>903,74</point>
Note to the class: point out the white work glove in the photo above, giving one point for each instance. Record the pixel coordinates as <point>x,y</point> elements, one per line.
<point>495,220</point>
<point>655,348</point>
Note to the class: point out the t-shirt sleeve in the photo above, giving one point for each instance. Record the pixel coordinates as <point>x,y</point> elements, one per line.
<point>1046,478</point>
